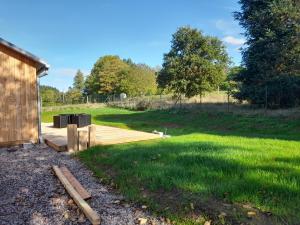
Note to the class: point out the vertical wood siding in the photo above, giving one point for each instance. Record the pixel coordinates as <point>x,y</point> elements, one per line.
<point>18,98</point>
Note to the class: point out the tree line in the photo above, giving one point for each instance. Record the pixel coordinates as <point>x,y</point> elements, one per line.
<point>269,75</point>
<point>110,76</point>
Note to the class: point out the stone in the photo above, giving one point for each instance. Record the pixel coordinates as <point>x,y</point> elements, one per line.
<point>208,222</point>
<point>37,189</point>
<point>142,221</point>
<point>81,218</point>
<point>251,213</point>
<point>66,215</point>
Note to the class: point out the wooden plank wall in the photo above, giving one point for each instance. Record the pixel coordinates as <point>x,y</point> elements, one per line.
<point>18,98</point>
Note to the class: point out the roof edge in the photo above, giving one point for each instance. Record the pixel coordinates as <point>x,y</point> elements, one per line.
<point>42,65</point>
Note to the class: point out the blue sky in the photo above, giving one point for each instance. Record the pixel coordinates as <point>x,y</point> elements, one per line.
<point>72,35</point>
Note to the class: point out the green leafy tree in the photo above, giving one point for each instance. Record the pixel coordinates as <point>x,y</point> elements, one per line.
<point>78,82</point>
<point>49,95</point>
<point>76,93</point>
<point>106,75</point>
<point>73,96</point>
<point>195,64</point>
<point>138,80</point>
<point>230,85</point>
<point>272,55</point>
<point>111,75</point>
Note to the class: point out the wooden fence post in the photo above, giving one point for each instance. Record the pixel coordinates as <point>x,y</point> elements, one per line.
<point>72,137</point>
<point>92,136</point>
<point>82,140</point>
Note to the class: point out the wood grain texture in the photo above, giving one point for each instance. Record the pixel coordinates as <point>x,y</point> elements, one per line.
<point>82,204</point>
<point>75,183</point>
<point>82,140</point>
<point>92,136</point>
<point>105,135</point>
<point>18,98</point>
<point>72,138</point>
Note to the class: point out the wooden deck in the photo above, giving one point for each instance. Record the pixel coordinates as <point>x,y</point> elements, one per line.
<point>105,135</point>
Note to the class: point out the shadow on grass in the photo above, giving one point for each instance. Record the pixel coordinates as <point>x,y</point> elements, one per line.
<point>176,174</point>
<point>220,123</point>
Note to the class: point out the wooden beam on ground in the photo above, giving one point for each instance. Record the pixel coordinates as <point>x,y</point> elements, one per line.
<point>55,146</point>
<point>72,138</point>
<point>75,183</point>
<point>92,136</point>
<point>82,204</point>
<point>82,140</point>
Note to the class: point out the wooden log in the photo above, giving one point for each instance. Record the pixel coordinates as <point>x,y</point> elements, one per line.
<point>72,137</point>
<point>55,146</point>
<point>82,204</point>
<point>75,183</point>
<point>92,136</point>
<point>82,140</point>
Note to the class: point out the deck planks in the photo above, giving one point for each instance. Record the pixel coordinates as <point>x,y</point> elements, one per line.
<point>105,135</point>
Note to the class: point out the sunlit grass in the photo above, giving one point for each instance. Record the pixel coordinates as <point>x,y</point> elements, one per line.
<point>231,158</point>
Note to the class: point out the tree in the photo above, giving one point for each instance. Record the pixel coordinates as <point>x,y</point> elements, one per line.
<point>111,75</point>
<point>195,64</point>
<point>230,85</point>
<point>138,80</point>
<point>76,93</point>
<point>49,95</point>
<point>272,55</point>
<point>106,75</point>
<point>78,82</point>
<point>73,96</point>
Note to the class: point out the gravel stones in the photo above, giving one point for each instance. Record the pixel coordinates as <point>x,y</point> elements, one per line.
<point>31,194</point>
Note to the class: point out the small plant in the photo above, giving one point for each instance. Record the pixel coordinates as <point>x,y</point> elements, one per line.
<point>143,105</point>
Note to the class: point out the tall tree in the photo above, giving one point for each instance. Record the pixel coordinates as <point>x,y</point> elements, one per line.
<point>272,54</point>
<point>106,75</point>
<point>195,64</point>
<point>138,80</point>
<point>78,82</point>
<point>111,75</point>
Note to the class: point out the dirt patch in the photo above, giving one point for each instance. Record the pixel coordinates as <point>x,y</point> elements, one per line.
<point>203,208</point>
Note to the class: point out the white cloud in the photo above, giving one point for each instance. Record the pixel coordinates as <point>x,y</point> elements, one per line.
<point>233,40</point>
<point>228,27</point>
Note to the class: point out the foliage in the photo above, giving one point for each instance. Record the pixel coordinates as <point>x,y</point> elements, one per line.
<point>143,105</point>
<point>78,82</point>
<point>76,93</point>
<point>73,96</point>
<point>106,75</point>
<point>195,64</point>
<point>138,80</point>
<point>49,95</point>
<point>222,157</point>
<point>272,54</point>
<point>111,75</point>
<point>230,85</point>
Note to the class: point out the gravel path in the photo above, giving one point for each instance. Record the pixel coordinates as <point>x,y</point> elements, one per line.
<point>31,194</point>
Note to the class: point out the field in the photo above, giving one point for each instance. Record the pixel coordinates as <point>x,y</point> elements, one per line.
<point>225,167</point>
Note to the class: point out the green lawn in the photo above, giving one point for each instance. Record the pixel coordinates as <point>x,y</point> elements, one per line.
<point>213,163</point>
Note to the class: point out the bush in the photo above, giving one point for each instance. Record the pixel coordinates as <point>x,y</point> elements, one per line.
<point>143,105</point>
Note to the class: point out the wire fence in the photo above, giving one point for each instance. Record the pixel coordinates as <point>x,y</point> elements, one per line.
<point>145,102</point>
